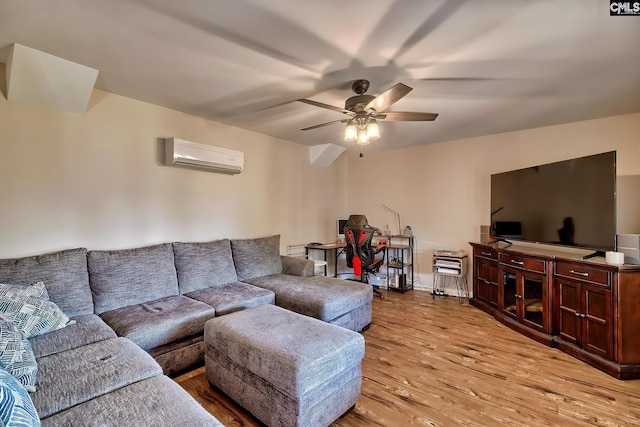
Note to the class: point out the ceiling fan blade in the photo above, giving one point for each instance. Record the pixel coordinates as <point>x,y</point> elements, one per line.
<point>389,97</point>
<point>407,116</point>
<point>326,124</point>
<point>326,106</point>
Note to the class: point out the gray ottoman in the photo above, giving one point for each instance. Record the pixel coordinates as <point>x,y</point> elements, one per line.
<point>285,368</point>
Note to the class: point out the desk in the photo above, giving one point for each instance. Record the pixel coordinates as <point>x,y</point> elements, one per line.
<point>327,247</point>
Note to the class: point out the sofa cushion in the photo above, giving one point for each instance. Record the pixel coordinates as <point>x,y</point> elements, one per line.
<point>16,407</point>
<point>256,257</point>
<point>64,274</point>
<point>298,266</point>
<point>16,355</point>
<point>160,322</point>
<point>87,329</point>
<point>233,297</point>
<point>325,298</point>
<point>126,277</point>
<point>75,376</point>
<point>203,265</point>
<point>156,401</point>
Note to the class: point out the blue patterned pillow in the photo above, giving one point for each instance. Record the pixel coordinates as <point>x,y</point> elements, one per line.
<point>16,407</point>
<point>16,355</point>
<point>32,315</point>
<point>15,291</point>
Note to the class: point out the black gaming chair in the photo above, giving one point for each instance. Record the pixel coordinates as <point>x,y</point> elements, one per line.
<point>360,252</point>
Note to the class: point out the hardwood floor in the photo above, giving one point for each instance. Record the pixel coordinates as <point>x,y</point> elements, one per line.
<point>439,363</point>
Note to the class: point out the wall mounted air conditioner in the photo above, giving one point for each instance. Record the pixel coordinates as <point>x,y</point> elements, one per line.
<point>179,152</point>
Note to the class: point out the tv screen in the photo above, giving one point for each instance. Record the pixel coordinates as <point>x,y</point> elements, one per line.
<point>570,203</point>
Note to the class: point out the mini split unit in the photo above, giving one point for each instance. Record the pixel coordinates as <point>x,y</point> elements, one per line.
<point>178,152</point>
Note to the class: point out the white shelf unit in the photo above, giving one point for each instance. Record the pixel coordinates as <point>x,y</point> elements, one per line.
<point>448,265</point>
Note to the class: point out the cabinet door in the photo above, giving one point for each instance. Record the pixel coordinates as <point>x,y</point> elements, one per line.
<point>569,299</point>
<point>533,296</point>
<point>596,315</point>
<point>510,295</point>
<point>584,312</point>
<point>483,285</point>
<point>493,283</point>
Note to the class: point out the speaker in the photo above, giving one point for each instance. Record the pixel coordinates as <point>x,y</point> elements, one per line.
<point>485,233</point>
<point>629,244</point>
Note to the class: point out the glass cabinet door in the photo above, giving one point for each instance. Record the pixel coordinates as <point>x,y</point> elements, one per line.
<point>532,296</point>
<point>509,286</point>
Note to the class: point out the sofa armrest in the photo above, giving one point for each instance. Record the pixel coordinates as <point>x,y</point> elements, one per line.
<point>297,266</point>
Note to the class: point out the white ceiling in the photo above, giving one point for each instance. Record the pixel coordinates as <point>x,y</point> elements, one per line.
<point>486,66</point>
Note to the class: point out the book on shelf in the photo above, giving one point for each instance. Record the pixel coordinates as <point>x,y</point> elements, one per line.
<point>445,263</point>
<point>447,270</point>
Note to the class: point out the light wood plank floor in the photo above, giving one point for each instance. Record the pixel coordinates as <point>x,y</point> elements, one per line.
<point>439,363</point>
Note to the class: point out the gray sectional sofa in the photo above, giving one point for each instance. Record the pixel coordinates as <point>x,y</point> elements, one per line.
<point>138,315</point>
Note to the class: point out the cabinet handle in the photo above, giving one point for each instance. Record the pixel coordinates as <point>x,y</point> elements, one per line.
<point>583,315</point>
<point>577,314</point>
<point>486,253</point>
<point>513,261</point>
<point>579,273</point>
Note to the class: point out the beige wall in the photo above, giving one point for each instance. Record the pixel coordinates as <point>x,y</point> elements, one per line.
<point>97,181</point>
<point>443,190</point>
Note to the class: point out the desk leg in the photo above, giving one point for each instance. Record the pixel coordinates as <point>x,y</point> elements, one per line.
<point>325,262</point>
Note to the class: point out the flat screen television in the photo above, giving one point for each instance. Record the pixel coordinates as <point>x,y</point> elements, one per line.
<point>569,203</point>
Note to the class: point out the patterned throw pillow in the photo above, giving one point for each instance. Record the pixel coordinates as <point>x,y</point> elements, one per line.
<point>16,407</point>
<point>16,291</point>
<point>32,315</point>
<point>16,355</point>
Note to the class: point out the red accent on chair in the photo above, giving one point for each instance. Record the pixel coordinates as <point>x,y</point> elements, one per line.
<point>357,266</point>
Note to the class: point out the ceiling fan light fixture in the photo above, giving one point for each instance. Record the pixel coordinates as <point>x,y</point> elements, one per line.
<point>373,129</point>
<point>363,137</point>
<point>363,111</point>
<point>351,132</point>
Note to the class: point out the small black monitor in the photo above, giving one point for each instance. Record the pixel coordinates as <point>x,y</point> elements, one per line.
<point>511,229</point>
<point>341,223</point>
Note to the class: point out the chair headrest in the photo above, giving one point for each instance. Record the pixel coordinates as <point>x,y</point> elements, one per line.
<point>357,221</point>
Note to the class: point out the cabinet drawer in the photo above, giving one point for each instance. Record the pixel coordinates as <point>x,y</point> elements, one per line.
<point>526,263</point>
<point>488,253</point>
<point>583,272</point>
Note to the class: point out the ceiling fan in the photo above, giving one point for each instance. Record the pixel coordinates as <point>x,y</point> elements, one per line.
<point>365,110</point>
